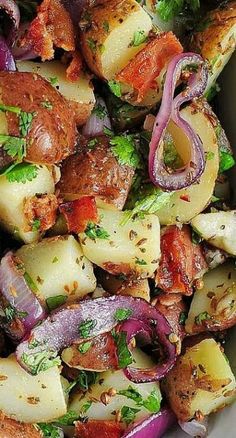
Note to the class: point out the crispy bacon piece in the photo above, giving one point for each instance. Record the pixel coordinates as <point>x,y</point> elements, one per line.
<point>52,27</point>
<point>40,212</point>
<point>142,70</point>
<point>75,67</point>
<point>98,429</point>
<point>79,212</point>
<point>181,263</point>
<point>174,309</point>
<point>10,428</point>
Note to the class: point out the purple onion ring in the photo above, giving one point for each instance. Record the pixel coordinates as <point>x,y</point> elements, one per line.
<point>7,62</point>
<point>152,427</point>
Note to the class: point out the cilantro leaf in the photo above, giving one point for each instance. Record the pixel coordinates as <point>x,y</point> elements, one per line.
<point>123,147</point>
<point>122,314</point>
<point>139,38</point>
<point>92,44</point>
<point>203,316</point>
<point>140,262</point>
<point>182,318</point>
<point>85,347</point>
<point>21,172</point>
<point>84,380</point>
<point>94,231</point>
<point>40,361</point>
<point>123,353</point>
<point>68,419</point>
<point>115,87</point>
<point>132,394</point>
<point>11,313</point>
<point>25,122</point>
<point>54,302</point>
<point>153,402</point>
<point>128,414</point>
<point>86,327</point>
<point>170,155</point>
<point>49,430</point>
<point>100,111</point>
<point>226,161</point>
<point>168,9</point>
<point>15,147</point>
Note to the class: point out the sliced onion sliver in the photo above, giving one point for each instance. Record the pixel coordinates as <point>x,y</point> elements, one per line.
<point>152,427</point>
<point>19,296</point>
<point>64,326</point>
<point>195,428</point>
<point>170,109</point>
<point>25,52</point>
<point>7,62</point>
<point>11,8</point>
<point>95,125</point>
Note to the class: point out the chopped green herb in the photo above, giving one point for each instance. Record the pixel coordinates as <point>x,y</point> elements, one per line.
<point>212,92</point>
<point>123,353</point>
<point>128,414</point>
<point>171,157</point>
<point>106,26</point>
<point>92,143</point>
<point>84,380</point>
<point>153,402</point>
<point>30,282</point>
<point>100,111</point>
<point>115,87</point>
<point>226,161</point>
<point>86,406</point>
<point>11,313</point>
<point>41,361</point>
<point>139,38</point>
<point>55,259</point>
<point>85,347</point>
<point>54,302</point>
<point>122,314</point>
<point>53,80</point>
<point>92,44</point>
<point>21,172</point>
<point>182,318</point>
<point>101,48</point>
<point>49,430</point>
<point>94,231</point>
<point>140,262</point>
<point>196,238</point>
<point>25,122</point>
<point>36,224</point>
<point>47,105</point>
<point>33,343</point>
<point>10,109</point>
<point>124,149</point>
<point>15,147</point>
<point>203,316</point>
<point>107,132</point>
<point>68,419</point>
<point>132,394</point>
<point>86,327</point>
<point>168,9</point>
<point>209,155</point>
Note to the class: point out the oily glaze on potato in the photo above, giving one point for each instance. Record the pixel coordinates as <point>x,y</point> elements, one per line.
<point>52,134</point>
<point>79,93</point>
<point>96,172</point>
<point>216,39</point>
<point>187,203</point>
<point>107,32</point>
<point>201,381</point>
<point>214,306</point>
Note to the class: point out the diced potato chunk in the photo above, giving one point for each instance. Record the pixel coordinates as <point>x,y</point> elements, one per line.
<point>12,197</point>
<point>58,267</point>
<point>108,45</point>
<point>131,248</point>
<point>214,306</point>
<point>117,381</point>
<point>79,93</point>
<point>218,228</point>
<point>187,203</point>
<point>201,381</point>
<point>31,399</point>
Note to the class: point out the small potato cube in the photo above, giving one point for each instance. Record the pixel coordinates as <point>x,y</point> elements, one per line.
<point>201,382</point>
<point>218,228</point>
<point>31,399</point>
<point>108,44</point>
<point>12,201</point>
<point>214,306</point>
<point>121,246</point>
<point>58,268</point>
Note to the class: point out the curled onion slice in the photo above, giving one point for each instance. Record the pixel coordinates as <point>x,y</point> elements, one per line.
<point>195,428</point>
<point>23,52</point>
<point>91,318</point>
<point>152,427</point>
<point>19,302</point>
<point>98,120</point>
<point>11,9</point>
<point>160,175</point>
<point>7,62</point>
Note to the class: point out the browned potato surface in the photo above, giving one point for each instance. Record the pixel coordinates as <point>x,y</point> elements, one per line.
<point>10,428</point>
<point>96,172</point>
<point>52,134</point>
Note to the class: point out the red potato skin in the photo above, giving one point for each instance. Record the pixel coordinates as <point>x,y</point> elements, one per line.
<point>98,429</point>
<point>181,263</point>
<point>96,172</point>
<point>10,428</point>
<point>52,136</point>
<point>42,208</point>
<point>172,306</point>
<point>79,213</point>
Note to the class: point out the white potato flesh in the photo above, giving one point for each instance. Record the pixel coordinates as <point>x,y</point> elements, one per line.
<point>12,197</point>
<point>118,48</point>
<point>132,248</point>
<point>179,210</point>
<point>57,266</point>
<point>79,93</point>
<point>31,399</point>
<point>217,299</point>
<point>218,228</point>
<point>118,381</point>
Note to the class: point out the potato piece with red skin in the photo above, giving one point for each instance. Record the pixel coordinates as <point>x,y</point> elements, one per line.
<point>79,213</point>
<point>10,428</point>
<point>40,208</point>
<point>98,428</point>
<point>96,172</point>
<point>181,263</point>
<point>52,135</point>
<point>174,309</point>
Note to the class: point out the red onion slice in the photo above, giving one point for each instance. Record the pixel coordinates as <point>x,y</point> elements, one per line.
<point>17,294</point>
<point>96,317</point>
<point>195,428</point>
<point>160,175</point>
<point>10,7</point>
<point>25,52</point>
<point>7,62</point>
<point>98,120</point>
<point>152,427</point>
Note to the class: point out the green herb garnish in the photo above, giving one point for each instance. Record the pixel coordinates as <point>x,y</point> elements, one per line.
<point>226,161</point>
<point>182,318</point>
<point>124,149</point>
<point>99,111</point>
<point>36,224</point>
<point>122,314</point>
<point>86,327</point>
<point>140,262</point>
<point>128,414</point>
<point>20,173</point>
<point>94,231</point>
<point>123,353</point>
<point>11,313</point>
<point>115,87</point>
<point>47,105</point>
<point>54,302</point>
<point>49,430</point>
<point>30,282</point>
<point>92,44</point>
<point>203,316</point>
<point>169,9</point>
<point>41,361</point>
<point>85,347</point>
<point>139,38</point>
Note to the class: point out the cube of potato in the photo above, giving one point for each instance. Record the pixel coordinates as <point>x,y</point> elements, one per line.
<point>114,285</point>
<point>214,306</point>
<point>201,381</point>
<point>121,246</point>
<point>13,196</point>
<point>108,44</point>
<point>58,268</point>
<point>79,93</point>
<point>219,229</point>
<point>119,382</point>
<point>31,399</point>
<point>96,172</point>
<point>216,41</point>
